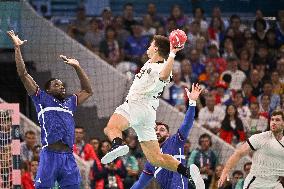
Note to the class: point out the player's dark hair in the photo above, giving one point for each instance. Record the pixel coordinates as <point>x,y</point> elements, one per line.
<point>161,123</point>
<point>278,112</point>
<point>48,83</point>
<point>163,44</point>
<point>247,163</point>
<point>127,4</point>
<point>80,127</point>
<point>238,172</point>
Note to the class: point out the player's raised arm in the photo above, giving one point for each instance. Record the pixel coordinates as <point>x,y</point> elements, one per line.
<point>166,71</point>
<point>190,113</point>
<point>29,83</point>
<point>232,162</point>
<point>86,89</point>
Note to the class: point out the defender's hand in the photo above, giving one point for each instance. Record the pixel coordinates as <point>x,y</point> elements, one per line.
<point>15,38</point>
<point>70,61</point>
<point>195,92</point>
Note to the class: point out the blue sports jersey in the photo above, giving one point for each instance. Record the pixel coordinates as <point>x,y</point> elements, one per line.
<point>55,118</point>
<point>174,146</point>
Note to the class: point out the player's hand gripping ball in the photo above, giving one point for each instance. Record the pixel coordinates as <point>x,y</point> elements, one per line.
<point>177,38</point>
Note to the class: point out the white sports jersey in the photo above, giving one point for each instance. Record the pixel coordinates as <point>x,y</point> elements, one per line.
<point>147,84</point>
<point>268,158</point>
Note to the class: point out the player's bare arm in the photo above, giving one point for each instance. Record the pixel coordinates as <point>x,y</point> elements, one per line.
<point>86,89</point>
<point>232,162</point>
<point>166,71</point>
<point>27,80</point>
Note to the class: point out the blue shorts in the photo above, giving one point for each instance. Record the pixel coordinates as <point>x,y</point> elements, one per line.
<point>57,166</point>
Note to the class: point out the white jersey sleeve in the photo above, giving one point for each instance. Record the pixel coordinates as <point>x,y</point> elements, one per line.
<point>256,141</point>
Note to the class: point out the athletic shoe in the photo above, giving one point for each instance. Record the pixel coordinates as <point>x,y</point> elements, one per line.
<point>115,152</point>
<point>195,178</point>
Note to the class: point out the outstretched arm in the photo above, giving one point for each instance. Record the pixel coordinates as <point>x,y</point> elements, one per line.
<point>232,162</point>
<point>190,113</point>
<point>86,89</point>
<point>143,181</point>
<point>166,71</point>
<point>29,84</point>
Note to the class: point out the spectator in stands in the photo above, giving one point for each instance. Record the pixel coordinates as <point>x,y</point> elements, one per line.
<point>187,75</point>
<point>216,30</point>
<point>130,162</point>
<point>178,16</point>
<point>108,176</point>
<point>95,142</point>
<point>128,16</point>
<point>217,174</point>
<point>29,175</point>
<point>174,93</point>
<point>237,176</point>
<point>36,151</point>
<point>75,34</point>
<point>248,34</point>
<point>259,26</point>
<point>250,45</point>
<point>200,47</point>
<point>94,35</point>
<point>222,93</point>
<point>237,76</point>
<point>255,123</point>
<point>263,58</point>
<point>81,22</point>
<point>171,25</point>
<point>244,61</point>
<point>194,33</point>
<point>148,26</point>
<point>216,12</point>
<point>238,101</point>
<point>213,56</point>
<point>256,83</point>
<point>278,86</point>
<point>198,16</point>
<point>280,68</point>
<point>238,39</point>
<point>211,115</point>
<point>81,148</point>
<point>272,43</point>
<point>196,63</point>
<point>229,49</point>
<point>232,129</point>
<point>122,33</point>
<point>259,15</point>
<point>204,158</point>
<point>248,97</point>
<point>134,148</point>
<point>264,105</point>
<point>136,45</point>
<point>107,18</point>
<point>157,19</point>
<point>274,98</point>
<point>240,183</point>
<point>27,146</point>
<point>280,30</point>
<point>161,30</point>
<point>110,50</point>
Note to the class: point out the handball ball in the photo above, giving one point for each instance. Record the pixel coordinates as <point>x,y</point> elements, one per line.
<point>177,38</point>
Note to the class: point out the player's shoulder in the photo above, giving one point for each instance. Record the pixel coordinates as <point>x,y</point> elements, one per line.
<point>263,135</point>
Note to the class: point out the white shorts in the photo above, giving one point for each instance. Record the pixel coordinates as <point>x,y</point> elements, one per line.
<point>141,117</point>
<point>254,182</point>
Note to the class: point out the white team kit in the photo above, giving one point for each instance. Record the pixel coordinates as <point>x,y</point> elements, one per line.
<point>142,100</point>
<point>267,161</point>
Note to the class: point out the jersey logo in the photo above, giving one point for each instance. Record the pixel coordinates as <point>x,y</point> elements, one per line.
<point>38,180</point>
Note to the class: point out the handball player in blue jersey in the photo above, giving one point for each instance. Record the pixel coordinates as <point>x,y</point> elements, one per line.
<point>55,114</point>
<point>173,145</point>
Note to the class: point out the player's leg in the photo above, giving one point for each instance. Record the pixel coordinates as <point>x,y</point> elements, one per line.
<point>45,177</point>
<point>68,171</point>
<point>151,149</point>
<point>117,123</point>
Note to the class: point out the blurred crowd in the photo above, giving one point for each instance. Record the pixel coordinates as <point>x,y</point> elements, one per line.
<point>239,63</point>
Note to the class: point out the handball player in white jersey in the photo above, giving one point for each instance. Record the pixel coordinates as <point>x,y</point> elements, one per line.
<point>268,157</point>
<point>139,111</point>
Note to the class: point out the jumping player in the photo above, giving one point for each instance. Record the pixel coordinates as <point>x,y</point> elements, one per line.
<point>268,158</point>
<point>173,145</point>
<point>55,114</point>
<point>139,109</point>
